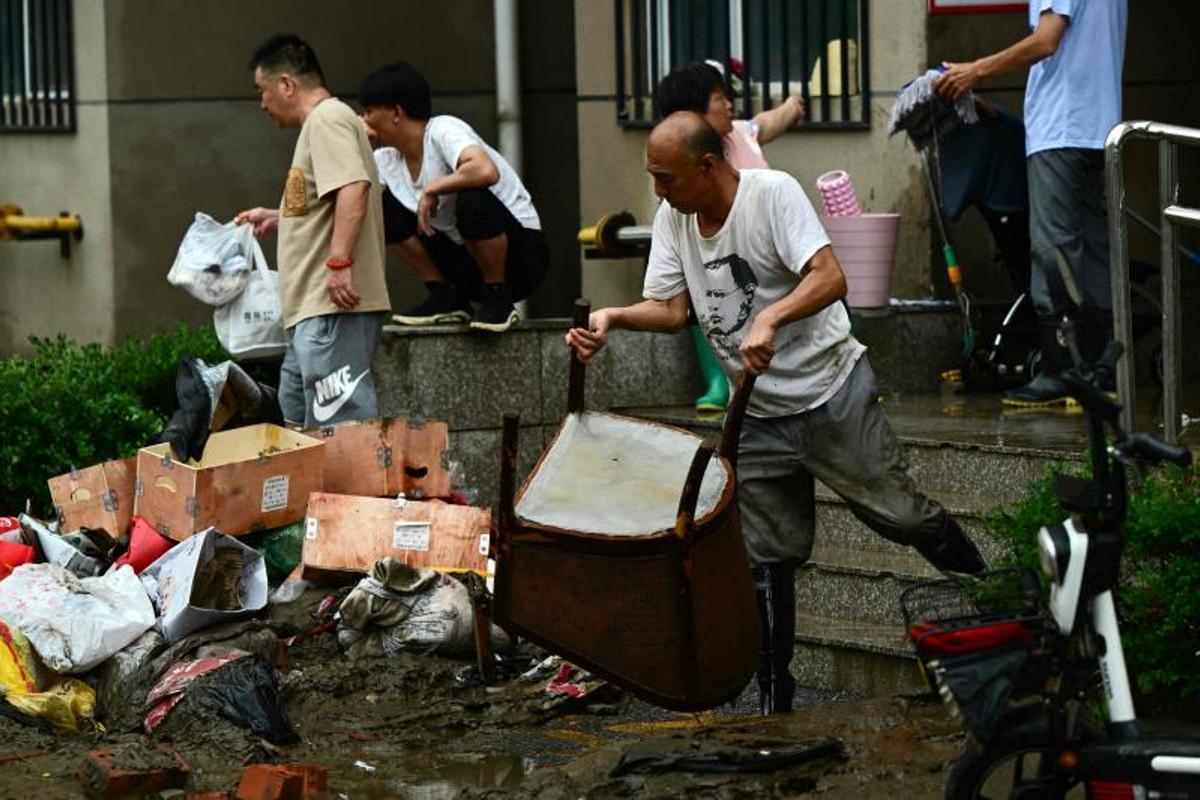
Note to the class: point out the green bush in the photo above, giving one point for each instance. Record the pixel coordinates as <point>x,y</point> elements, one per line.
<point>72,405</point>
<point>1159,596</point>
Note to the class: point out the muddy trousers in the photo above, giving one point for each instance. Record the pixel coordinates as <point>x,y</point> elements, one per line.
<point>848,444</point>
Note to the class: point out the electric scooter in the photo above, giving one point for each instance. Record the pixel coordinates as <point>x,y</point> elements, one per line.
<point>1020,671</point>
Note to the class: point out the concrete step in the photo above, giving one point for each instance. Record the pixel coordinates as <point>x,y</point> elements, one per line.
<point>854,657</point>
<point>838,527</point>
<point>990,473</point>
<point>856,586</point>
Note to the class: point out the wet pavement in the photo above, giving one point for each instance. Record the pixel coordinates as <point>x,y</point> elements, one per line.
<point>953,416</point>
<point>419,726</point>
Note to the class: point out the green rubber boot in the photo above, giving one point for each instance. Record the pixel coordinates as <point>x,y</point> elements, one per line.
<point>716,397</point>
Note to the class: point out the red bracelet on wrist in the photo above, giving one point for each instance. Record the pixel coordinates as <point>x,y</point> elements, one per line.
<point>339,263</point>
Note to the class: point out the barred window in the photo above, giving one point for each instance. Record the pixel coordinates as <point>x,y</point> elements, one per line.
<point>37,70</point>
<point>770,49</point>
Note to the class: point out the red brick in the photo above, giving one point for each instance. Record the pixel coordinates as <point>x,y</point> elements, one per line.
<point>282,782</point>
<point>101,779</point>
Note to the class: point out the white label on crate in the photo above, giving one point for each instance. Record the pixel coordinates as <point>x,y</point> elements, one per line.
<point>310,528</point>
<point>275,493</point>
<point>411,535</point>
<point>484,541</point>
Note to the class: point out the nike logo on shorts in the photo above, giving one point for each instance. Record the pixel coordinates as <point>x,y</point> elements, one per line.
<point>333,392</point>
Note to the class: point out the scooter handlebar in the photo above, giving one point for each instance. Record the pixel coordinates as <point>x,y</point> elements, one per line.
<point>1144,447</point>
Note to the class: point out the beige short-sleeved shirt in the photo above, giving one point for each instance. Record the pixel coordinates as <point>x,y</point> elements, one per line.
<point>332,152</point>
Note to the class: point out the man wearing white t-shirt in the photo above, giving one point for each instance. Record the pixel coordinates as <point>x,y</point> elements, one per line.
<point>1073,99</point>
<point>454,209</point>
<point>749,251</point>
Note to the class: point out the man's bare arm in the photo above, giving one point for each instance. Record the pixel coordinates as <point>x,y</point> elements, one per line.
<point>821,283</point>
<point>661,316</point>
<point>1042,43</point>
<point>349,211</point>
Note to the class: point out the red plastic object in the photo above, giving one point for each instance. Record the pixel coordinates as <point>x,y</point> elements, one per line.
<point>9,524</point>
<point>933,640</point>
<point>145,546</point>
<point>1108,790</point>
<point>13,555</point>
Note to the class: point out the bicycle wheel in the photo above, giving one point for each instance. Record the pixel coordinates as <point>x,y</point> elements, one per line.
<point>1011,770</point>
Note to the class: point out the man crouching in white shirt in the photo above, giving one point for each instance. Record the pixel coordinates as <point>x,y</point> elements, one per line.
<point>749,251</point>
<point>454,210</point>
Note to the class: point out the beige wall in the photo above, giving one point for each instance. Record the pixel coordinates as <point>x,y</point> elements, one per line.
<point>884,171</point>
<point>44,293</point>
<point>169,126</point>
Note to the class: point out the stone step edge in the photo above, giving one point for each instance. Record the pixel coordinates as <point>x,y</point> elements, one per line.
<point>823,560</point>
<point>877,639</point>
<point>909,440</point>
<point>952,502</point>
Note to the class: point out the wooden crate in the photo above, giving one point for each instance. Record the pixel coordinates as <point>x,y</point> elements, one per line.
<point>250,478</point>
<point>344,536</point>
<point>100,496</point>
<point>386,457</point>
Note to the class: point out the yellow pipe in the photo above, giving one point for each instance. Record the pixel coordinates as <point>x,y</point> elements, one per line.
<point>24,224</point>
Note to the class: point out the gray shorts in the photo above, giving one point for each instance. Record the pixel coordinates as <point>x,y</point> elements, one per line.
<point>326,372</point>
<point>1067,210</point>
<point>848,444</point>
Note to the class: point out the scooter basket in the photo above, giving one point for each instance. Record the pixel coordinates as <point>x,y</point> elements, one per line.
<point>958,616</point>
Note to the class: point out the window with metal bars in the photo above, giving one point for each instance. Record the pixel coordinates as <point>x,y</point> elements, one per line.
<point>770,49</point>
<point>37,70</point>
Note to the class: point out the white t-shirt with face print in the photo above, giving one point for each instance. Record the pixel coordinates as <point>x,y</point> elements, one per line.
<point>753,261</point>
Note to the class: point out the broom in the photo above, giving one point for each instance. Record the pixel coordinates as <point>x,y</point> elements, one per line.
<point>924,115</point>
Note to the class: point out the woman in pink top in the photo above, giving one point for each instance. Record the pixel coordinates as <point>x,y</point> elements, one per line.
<point>701,88</point>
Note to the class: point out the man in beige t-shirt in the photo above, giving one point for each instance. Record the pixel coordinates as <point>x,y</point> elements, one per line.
<point>331,250</point>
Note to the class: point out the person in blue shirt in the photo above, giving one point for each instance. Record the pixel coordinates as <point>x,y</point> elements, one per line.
<point>1075,53</point>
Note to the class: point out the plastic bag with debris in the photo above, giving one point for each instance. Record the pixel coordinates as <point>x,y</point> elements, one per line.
<point>214,261</point>
<point>206,579</point>
<point>399,607</point>
<point>75,623</point>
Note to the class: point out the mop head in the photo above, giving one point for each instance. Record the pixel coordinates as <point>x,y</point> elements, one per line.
<point>924,114</point>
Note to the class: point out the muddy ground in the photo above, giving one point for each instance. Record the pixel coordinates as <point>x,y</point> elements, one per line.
<point>421,726</point>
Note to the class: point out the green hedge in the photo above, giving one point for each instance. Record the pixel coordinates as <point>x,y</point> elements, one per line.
<point>1159,597</point>
<point>72,405</point>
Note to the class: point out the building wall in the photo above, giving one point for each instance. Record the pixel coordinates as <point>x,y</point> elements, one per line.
<point>44,293</point>
<point>169,125</point>
<point>885,172</point>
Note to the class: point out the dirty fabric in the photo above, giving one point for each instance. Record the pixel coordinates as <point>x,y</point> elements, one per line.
<point>399,607</point>
<point>982,684</point>
<point>29,693</point>
<point>608,474</point>
<point>688,756</point>
<point>211,398</point>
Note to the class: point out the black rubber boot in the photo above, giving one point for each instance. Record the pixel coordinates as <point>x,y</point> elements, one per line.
<point>1045,389</point>
<point>953,554</point>
<point>775,586</point>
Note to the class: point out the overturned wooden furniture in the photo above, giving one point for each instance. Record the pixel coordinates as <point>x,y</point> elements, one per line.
<point>623,553</point>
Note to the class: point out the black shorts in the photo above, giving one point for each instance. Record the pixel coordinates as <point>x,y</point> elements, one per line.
<point>480,215</point>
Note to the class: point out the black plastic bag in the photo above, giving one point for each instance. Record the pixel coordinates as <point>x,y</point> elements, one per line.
<point>246,693</point>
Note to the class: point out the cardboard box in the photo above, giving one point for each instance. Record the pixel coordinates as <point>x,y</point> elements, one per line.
<point>249,479</point>
<point>344,536</point>
<point>99,496</point>
<point>386,457</point>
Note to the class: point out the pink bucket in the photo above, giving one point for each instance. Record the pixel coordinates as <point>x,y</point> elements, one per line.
<point>865,246</point>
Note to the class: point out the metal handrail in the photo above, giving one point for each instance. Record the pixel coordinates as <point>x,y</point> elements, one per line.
<point>1169,138</point>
